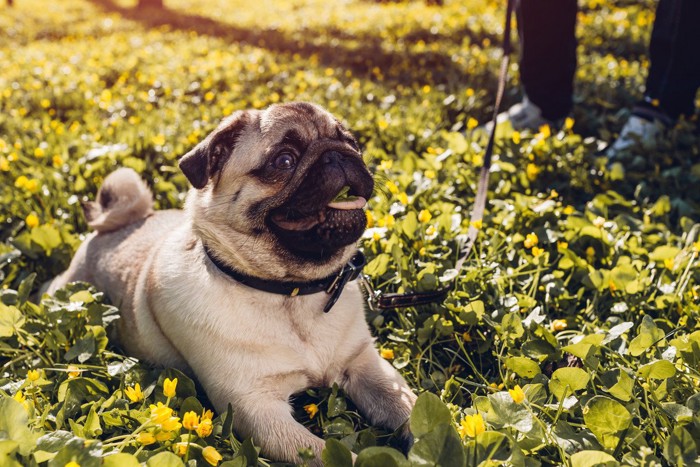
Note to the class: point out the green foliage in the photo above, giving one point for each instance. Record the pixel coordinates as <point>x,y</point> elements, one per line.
<point>583,290</point>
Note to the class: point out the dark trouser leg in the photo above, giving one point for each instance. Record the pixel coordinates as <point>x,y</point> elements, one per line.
<point>548,62</point>
<point>674,74</point>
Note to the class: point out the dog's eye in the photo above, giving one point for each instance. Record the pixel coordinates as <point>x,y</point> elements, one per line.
<point>284,161</point>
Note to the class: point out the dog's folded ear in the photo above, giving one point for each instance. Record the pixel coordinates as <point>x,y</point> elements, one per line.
<point>206,160</point>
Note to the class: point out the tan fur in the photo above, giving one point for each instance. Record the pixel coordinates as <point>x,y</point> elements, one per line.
<point>248,348</point>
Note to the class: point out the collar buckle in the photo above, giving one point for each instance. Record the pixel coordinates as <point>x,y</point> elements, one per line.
<point>350,272</point>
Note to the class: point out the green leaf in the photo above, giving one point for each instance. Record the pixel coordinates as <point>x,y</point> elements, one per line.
<point>659,369</point>
<point>441,447</point>
<point>608,420</point>
<point>511,326</point>
<point>164,459</point>
<point>664,252</point>
<point>335,454</point>
<point>248,451</point>
<point>523,367</point>
<point>428,413</point>
<point>7,453</point>
<point>593,458</point>
<point>47,237</point>
<point>13,422</point>
<point>378,265</point>
<point>622,389</point>
<point>648,334</point>
<point>121,460</point>
<point>680,448</point>
<point>10,320</point>
<point>380,457</point>
<point>507,412</point>
<point>566,381</point>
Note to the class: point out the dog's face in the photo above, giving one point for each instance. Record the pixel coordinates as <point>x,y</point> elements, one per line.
<point>266,187</point>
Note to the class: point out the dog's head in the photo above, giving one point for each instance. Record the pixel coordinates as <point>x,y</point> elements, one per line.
<point>267,185</point>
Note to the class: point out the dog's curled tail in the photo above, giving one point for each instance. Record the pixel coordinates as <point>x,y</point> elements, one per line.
<point>123,199</point>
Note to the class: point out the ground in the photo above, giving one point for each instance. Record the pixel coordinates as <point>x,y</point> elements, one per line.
<point>571,337</point>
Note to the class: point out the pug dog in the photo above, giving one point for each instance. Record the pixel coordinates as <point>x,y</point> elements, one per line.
<point>240,287</point>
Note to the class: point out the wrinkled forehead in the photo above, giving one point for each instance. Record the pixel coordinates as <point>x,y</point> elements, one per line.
<point>308,121</point>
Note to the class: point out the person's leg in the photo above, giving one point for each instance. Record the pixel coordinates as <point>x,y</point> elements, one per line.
<point>674,50</point>
<point>674,76</point>
<point>548,60</point>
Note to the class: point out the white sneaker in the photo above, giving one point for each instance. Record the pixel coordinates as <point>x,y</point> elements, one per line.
<point>637,132</point>
<point>522,116</point>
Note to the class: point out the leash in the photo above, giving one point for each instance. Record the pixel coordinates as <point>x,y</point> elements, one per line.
<point>380,301</point>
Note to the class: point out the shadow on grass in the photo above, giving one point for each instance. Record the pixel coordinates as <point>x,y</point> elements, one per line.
<point>333,46</point>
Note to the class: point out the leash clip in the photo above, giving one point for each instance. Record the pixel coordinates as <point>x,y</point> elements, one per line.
<point>373,296</point>
<point>350,272</point>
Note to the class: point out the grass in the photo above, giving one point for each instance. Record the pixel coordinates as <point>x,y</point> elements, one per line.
<point>582,294</point>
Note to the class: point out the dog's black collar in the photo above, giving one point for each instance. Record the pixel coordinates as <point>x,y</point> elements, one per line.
<point>333,285</point>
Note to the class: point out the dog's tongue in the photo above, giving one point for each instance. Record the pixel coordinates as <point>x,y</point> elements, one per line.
<point>349,205</point>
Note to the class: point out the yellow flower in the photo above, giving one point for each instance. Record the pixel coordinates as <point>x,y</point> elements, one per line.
<point>190,420</point>
<point>311,409</point>
<point>207,415</point>
<point>57,161</point>
<point>569,210</point>
<point>430,174</point>
<point>211,455</point>
<point>517,394</point>
<point>72,464</point>
<point>696,245</point>
<point>160,412</point>
<point>477,224</point>
<point>559,325</point>
<point>32,186</point>
<point>386,164</point>
<point>171,424</point>
<point>531,240</point>
<point>472,426</point>
<point>536,251</point>
<point>73,371</point>
<point>612,286</point>
<point>4,164</point>
<point>563,245</point>
<point>531,171</point>
<point>205,428</point>
<point>31,220</point>
<point>391,186</point>
<point>180,449</point>
<point>387,354</point>
<point>430,230</point>
<point>668,264</point>
<point>545,131</point>
<point>134,393</point>
<point>568,123</point>
<point>472,123</point>
<point>39,152</point>
<point>33,375</point>
<point>21,181</point>
<point>158,140</point>
<point>370,219</point>
<point>469,92</point>
<point>466,336</point>
<point>19,397</point>
<point>164,436</point>
<point>590,253</point>
<point>516,137</point>
<point>146,438</point>
<point>403,197</point>
<point>424,216</point>
<point>169,387</point>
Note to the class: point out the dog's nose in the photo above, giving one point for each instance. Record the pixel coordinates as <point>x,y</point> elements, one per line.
<point>332,157</point>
